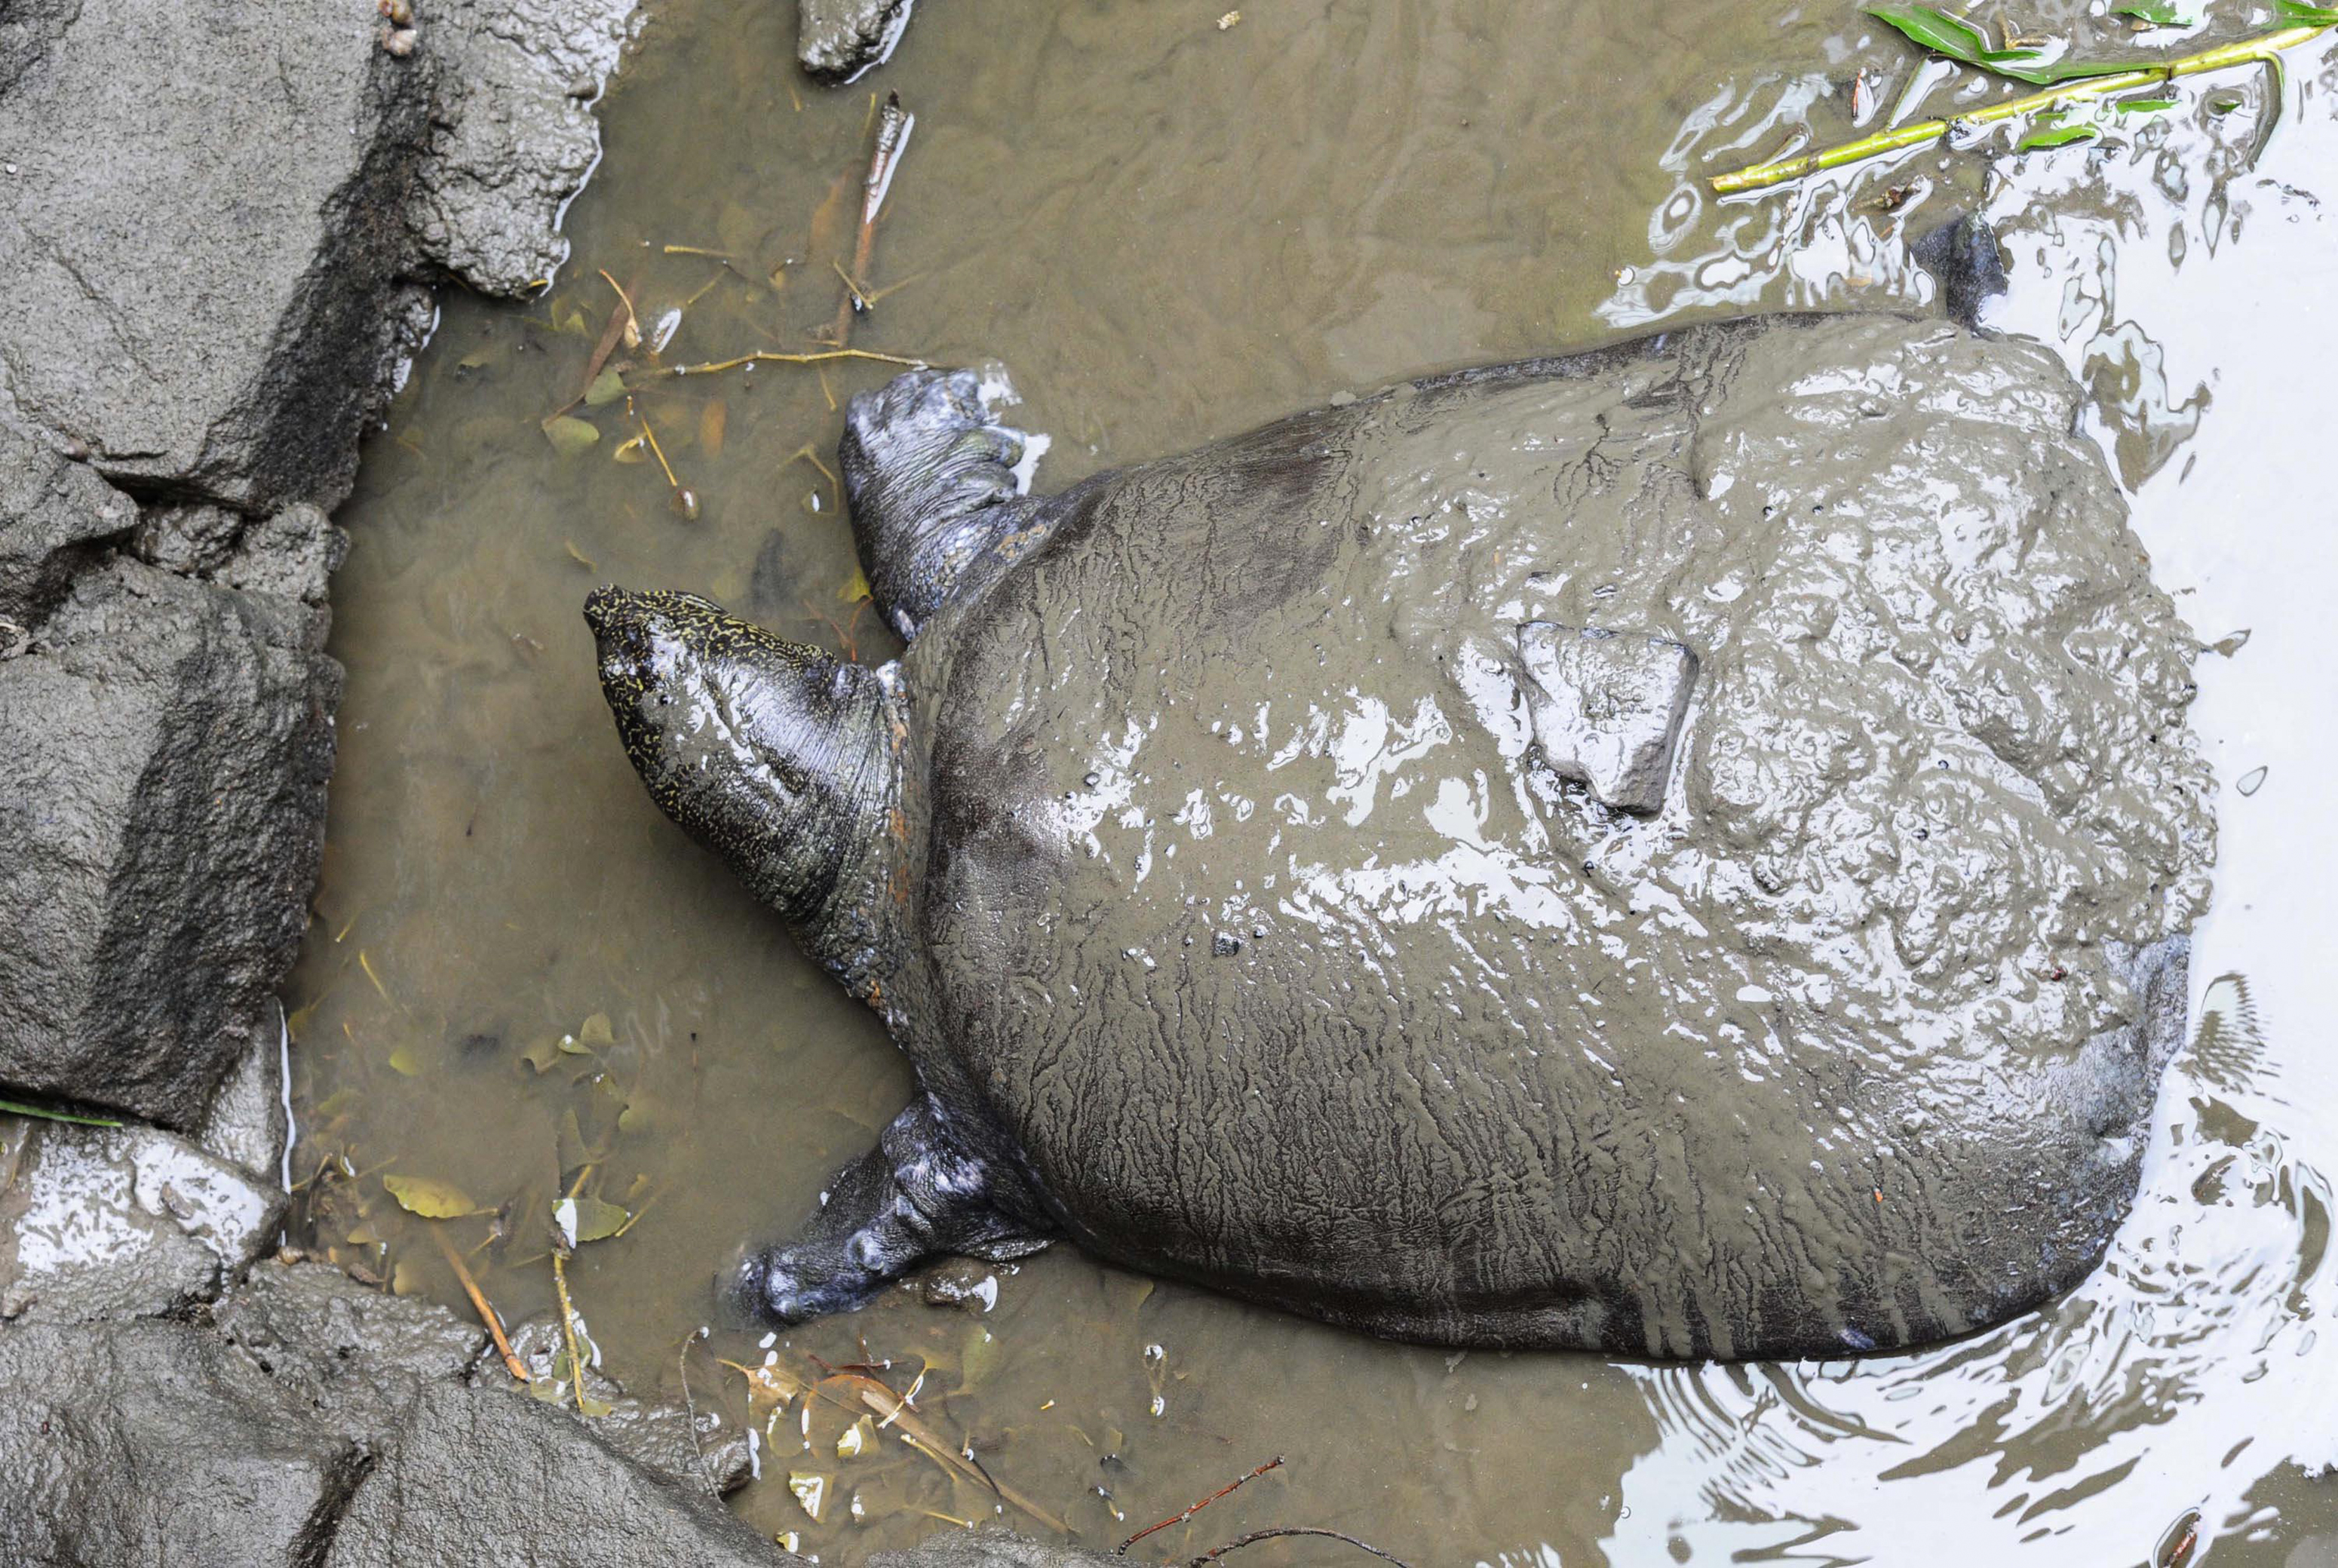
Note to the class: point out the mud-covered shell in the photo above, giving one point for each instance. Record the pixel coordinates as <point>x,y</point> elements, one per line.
<point>1253,916</point>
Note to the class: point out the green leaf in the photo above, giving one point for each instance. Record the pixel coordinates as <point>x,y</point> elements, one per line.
<point>2057,136</point>
<point>2158,13</point>
<point>607,388</point>
<point>595,1031</point>
<point>18,1108</point>
<point>1935,30</point>
<point>583,1219</point>
<point>2298,14</point>
<point>569,434</point>
<point>2143,105</point>
<point>405,1063</point>
<point>542,1054</point>
<point>1959,40</point>
<point>430,1198</point>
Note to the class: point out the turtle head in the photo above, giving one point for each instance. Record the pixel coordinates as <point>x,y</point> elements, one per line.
<point>783,761</point>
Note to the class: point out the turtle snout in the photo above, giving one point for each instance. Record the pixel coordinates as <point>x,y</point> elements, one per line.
<point>620,626</point>
<point>770,1289</point>
<point>609,610</point>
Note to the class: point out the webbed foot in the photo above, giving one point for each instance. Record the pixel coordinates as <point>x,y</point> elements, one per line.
<point>935,490</point>
<point>915,1196</point>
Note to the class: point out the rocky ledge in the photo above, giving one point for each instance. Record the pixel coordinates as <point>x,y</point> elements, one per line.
<point>222,225</point>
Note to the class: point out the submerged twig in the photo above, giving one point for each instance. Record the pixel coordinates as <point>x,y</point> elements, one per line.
<point>2265,49</point>
<point>480,1302</point>
<point>689,1410</point>
<point>1257,1535</point>
<point>568,1327</point>
<point>774,357</point>
<point>893,126</point>
<point>1194,1508</point>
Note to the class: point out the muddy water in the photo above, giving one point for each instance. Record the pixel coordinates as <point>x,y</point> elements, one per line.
<point>1168,230</point>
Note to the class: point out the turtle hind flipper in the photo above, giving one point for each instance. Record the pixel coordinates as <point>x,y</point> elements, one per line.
<point>932,484</point>
<point>915,1197</point>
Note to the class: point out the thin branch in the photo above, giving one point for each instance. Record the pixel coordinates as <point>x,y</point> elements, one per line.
<point>1191,1509</point>
<point>774,357</point>
<point>1257,1535</point>
<point>487,1312</point>
<point>893,126</point>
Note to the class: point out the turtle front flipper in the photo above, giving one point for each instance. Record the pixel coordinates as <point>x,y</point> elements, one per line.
<point>916,1196</point>
<point>935,492</point>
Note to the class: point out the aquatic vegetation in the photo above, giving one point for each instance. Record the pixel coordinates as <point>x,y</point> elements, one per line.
<point>2066,85</point>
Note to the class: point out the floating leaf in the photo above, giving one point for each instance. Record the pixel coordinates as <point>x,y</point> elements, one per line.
<point>2158,13</point>
<point>856,590</point>
<point>583,1220</point>
<point>2144,105</point>
<point>811,1490</point>
<point>2299,14</point>
<point>569,434</point>
<point>571,1047</point>
<point>2057,136</point>
<point>595,1031</point>
<point>405,1063</point>
<point>631,449</point>
<point>981,1354</point>
<point>542,1054</point>
<point>595,1409</point>
<point>607,388</point>
<point>430,1198</point>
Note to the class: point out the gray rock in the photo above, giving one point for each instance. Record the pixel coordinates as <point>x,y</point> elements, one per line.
<point>838,39</point>
<point>53,513</point>
<point>188,539</point>
<point>1606,707</point>
<point>154,1443</point>
<point>112,1223</point>
<point>512,133</point>
<point>164,752</point>
<point>477,1476</point>
<point>349,1354</point>
<point>247,1122</point>
<point>202,240</point>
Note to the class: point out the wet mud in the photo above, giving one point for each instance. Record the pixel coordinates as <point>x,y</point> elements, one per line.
<point>521,974</point>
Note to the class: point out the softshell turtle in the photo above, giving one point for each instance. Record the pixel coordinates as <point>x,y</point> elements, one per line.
<point>1683,850</point>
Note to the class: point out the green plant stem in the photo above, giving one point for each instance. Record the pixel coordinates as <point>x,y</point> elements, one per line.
<point>42,1113</point>
<point>2265,49</point>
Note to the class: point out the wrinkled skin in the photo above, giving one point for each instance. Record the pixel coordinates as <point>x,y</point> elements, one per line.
<point>1238,929</point>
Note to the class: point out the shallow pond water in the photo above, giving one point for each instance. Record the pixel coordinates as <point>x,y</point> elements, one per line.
<point>1169,230</point>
